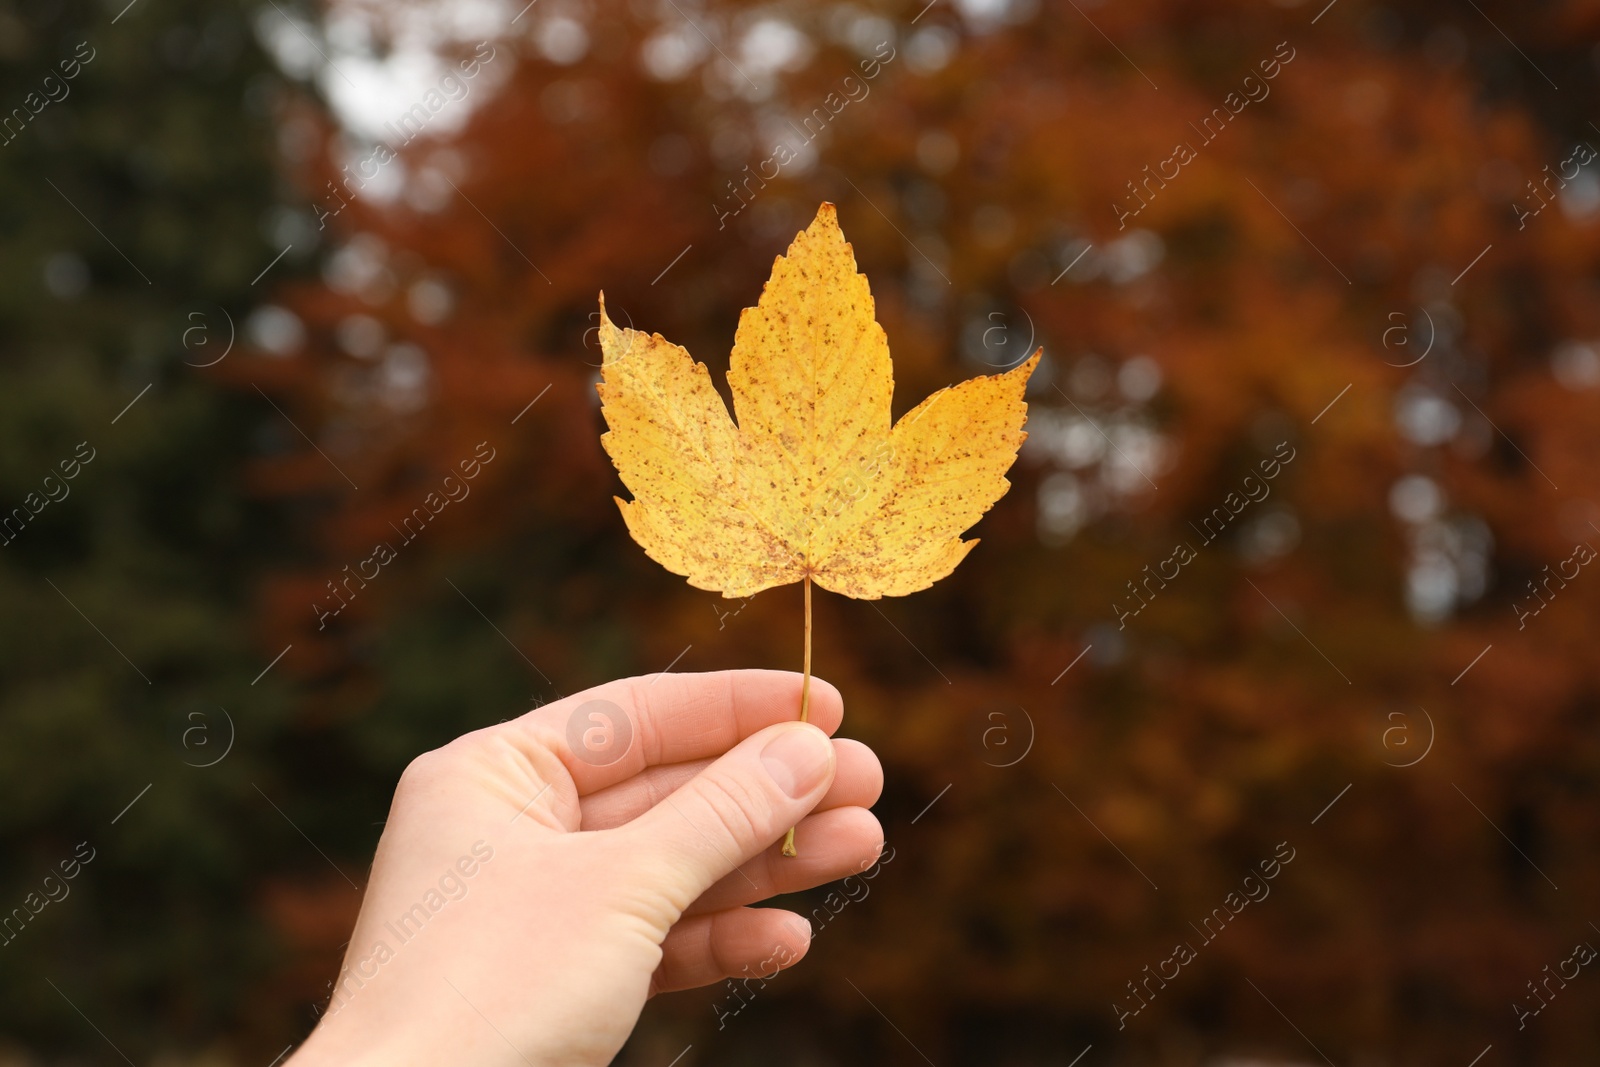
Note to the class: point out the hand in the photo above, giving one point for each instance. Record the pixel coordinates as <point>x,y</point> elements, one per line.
<point>530,892</point>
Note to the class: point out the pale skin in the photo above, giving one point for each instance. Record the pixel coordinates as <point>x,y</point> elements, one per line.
<point>617,882</point>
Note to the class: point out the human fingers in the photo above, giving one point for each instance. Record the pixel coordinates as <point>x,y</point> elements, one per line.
<point>730,811</point>
<point>748,943</point>
<point>858,782</point>
<point>610,733</point>
<point>829,845</point>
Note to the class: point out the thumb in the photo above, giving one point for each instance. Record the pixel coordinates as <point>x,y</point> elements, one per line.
<point>733,809</point>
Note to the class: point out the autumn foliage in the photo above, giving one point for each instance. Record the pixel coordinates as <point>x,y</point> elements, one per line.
<point>1355,272</point>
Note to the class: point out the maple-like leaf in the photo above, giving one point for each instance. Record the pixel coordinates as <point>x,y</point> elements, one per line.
<point>814,480</point>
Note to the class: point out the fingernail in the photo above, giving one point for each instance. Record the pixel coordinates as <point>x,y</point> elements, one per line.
<point>798,759</point>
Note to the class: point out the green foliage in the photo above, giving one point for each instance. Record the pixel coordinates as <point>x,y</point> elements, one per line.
<point>138,200</point>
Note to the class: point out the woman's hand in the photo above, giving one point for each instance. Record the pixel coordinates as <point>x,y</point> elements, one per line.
<point>539,880</point>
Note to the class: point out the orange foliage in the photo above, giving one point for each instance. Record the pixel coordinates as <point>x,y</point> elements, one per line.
<point>1258,291</point>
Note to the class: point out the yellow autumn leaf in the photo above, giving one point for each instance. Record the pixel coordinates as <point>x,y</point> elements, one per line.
<point>815,479</point>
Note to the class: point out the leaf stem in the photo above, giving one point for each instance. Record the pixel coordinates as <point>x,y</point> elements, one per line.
<point>805,697</point>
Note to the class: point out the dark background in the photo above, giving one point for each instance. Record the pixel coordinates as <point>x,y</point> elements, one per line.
<point>1343,270</point>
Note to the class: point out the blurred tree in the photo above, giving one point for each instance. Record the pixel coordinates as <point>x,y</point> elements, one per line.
<point>136,202</point>
<point>1009,179</point>
<point>1009,176</point>
<point>993,166</point>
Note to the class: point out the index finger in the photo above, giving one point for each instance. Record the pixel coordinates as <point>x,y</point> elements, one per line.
<point>610,733</point>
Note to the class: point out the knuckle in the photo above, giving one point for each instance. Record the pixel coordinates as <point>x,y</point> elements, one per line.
<point>424,774</point>
<point>742,813</point>
<point>636,706</point>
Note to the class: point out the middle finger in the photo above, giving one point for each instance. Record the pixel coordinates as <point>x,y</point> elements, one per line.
<point>857,781</point>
